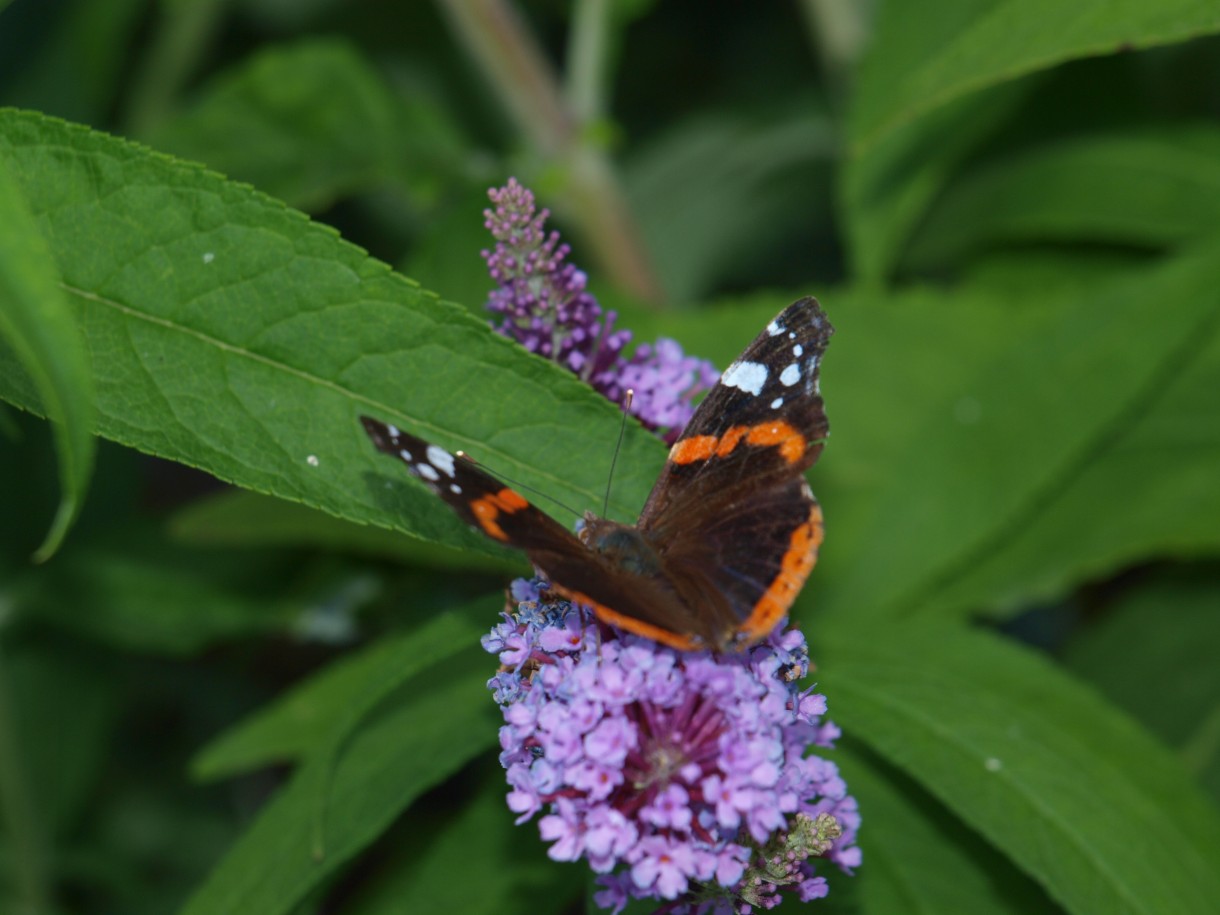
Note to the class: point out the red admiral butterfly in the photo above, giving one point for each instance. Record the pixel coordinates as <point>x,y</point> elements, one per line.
<point>728,535</point>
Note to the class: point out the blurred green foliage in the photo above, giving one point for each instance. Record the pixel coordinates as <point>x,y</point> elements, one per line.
<point>270,699</point>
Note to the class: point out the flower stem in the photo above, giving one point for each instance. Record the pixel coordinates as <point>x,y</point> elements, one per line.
<point>519,73</point>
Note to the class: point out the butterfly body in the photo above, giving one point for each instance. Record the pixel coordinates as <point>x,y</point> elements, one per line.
<point>731,529</point>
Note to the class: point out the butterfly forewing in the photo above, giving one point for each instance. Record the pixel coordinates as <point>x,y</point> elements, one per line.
<point>480,499</point>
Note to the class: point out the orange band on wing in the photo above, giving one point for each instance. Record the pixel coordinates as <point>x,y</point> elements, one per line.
<point>779,434</point>
<point>487,509</point>
<point>695,448</point>
<point>773,434</point>
<point>631,624</point>
<point>795,567</point>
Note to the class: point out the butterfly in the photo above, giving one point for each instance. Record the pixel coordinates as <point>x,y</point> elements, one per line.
<point>731,529</point>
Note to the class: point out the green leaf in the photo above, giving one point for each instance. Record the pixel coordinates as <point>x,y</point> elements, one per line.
<point>303,719</point>
<point>232,334</point>
<point>1146,492</point>
<point>715,192</point>
<point>1004,739</point>
<point>919,858</point>
<point>432,872</point>
<point>316,123</point>
<point>237,518</point>
<point>925,55</point>
<point>1154,654</point>
<point>887,188</point>
<point>982,424</point>
<point>37,324</point>
<point>435,723</point>
<point>1149,188</point>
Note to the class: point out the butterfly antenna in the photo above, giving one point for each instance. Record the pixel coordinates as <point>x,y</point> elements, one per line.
<point>622,428</point>
<point>521,486</point>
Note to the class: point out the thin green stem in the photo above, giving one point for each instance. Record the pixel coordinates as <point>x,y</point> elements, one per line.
<point>588,40</point>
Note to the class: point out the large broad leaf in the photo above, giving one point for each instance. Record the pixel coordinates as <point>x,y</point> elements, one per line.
<point>303,719</point>
<point>924,55</point>
<point>918,858</point>
<point>887,188</point>
<point>341,801</point>
<point>1155,655</point>
<point>36,325</point>
<point>230,333</point>
<point>973,429</point>
<point>1148,491</point>
<point>1151,188</point>
<point>1004,739</point>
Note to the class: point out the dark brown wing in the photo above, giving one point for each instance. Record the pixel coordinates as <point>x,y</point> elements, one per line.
<point>731,514</point>
<point>641,602</point>
<point>480,499</point>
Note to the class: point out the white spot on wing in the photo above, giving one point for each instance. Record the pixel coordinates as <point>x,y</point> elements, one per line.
<point>394,433</point>
<point>406,455</point>
<point>790,376</point>
<point>441,459</point>
<point>427,471</point>
<point>455,489</point>
<point>775,328</point>
<point>798,350</point>
<point>777,403</point>
<point>746,376</point>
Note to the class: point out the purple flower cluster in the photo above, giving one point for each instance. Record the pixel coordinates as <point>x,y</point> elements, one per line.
<point>545,305</point>
<point>679,776</point>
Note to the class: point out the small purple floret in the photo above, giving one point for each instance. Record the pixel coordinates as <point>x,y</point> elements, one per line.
<point>544,304</point>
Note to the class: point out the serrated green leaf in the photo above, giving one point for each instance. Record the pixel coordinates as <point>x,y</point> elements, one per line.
<point>232,334</point>
<point>303,719</point>
<point>237,518</point>
<point>924,55</point>
<point>1004,740</point>
<point>1150,188</point>
<point>973,452</point>
<point>37,324</point>
<point>1154,654</point>
<point>434,724</point>
<point>918,858</point>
